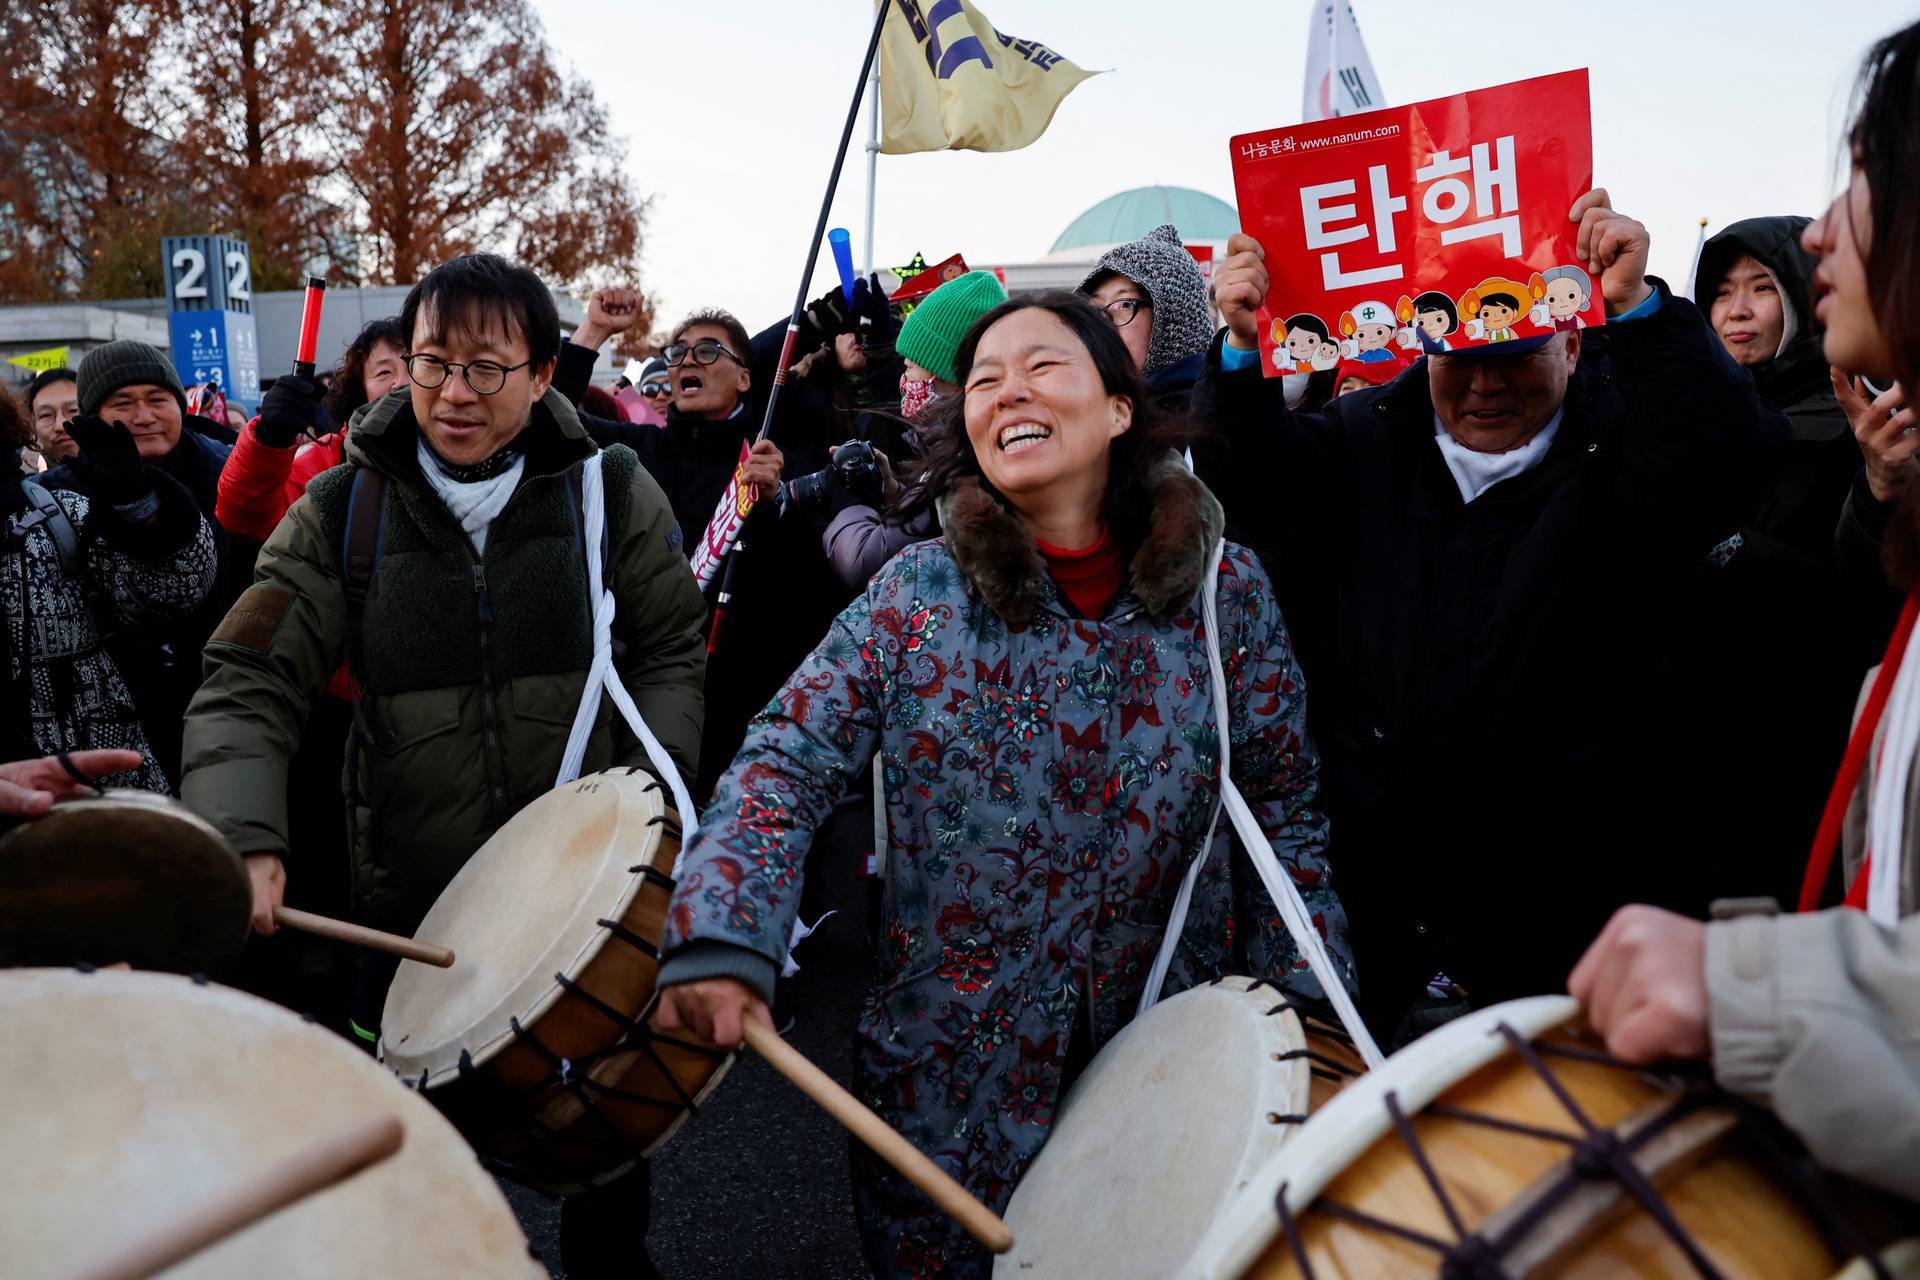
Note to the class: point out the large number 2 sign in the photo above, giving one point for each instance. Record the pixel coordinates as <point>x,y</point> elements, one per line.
<point>192,264</point>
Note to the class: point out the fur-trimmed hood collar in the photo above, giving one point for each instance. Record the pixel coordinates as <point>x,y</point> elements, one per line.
<point>995,551</point>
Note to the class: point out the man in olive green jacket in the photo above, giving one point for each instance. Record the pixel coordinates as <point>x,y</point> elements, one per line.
<point>476,636</point>
<point>475,639</point>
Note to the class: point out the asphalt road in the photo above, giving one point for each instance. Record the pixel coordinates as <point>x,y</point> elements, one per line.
<point>756,1185</point>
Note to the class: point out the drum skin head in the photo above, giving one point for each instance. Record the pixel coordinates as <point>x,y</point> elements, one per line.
<point>526,906</point>
<point>1174,1115</point>
<point>129,876</point>
<point>133,1097</point>
<point>1356,1118</point>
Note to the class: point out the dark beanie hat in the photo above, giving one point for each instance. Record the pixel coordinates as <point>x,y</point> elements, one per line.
<point>125,363</point>
<point>1159,263</point>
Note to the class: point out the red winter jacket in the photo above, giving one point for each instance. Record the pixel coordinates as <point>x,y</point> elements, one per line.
<point>260,482</point>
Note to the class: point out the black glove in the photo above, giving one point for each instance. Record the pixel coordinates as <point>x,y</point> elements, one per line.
<point>289,410</point>
<point>872,314</point>
<point>109,468</point>
<point>830,313</point>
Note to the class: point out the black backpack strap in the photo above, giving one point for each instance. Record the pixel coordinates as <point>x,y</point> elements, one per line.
<point>48,511</point>
<point>359,554</point>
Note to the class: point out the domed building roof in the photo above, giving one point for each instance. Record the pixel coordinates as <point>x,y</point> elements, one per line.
<point>1132,214</point>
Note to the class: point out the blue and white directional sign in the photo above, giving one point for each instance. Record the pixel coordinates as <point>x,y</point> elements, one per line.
<point>210,314</point>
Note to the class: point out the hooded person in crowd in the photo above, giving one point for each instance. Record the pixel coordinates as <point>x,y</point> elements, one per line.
<point>1153,292</point>
<point>1816,1015</point>
<point>1771,597</point>
<point>123,546</point>
<point>1479,562</point>
<point>862,536</point>
<point>1037,687</point>
<point>470,633</point>
<point>135,384</point>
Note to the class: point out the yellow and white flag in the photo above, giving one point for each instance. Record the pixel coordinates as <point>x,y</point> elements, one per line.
<point>948,80</point>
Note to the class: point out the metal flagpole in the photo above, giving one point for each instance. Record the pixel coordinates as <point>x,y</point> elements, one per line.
<point>1333,59</point>
<point>1699,244</point>
<point>800,304</point>
<point>873,160</point>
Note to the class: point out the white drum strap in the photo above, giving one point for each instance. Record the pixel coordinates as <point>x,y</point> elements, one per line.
<point>1285,894</point>
<point>601,676</point>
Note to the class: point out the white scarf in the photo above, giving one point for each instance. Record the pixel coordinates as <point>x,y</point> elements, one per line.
<point>475,504</point>
<point>1477,472</point>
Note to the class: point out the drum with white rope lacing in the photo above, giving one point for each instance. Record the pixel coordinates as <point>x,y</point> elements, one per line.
<point>536,1044</point>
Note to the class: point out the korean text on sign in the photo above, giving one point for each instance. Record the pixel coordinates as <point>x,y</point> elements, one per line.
<point>1431,227</point>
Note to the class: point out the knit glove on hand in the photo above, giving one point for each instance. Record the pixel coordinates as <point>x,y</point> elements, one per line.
<point>872,313</point>
<point>143,510</point>
<point>290,409</point>
<point>830,313</point>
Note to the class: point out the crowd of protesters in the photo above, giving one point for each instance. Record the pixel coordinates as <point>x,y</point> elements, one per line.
<point>1520,649</point>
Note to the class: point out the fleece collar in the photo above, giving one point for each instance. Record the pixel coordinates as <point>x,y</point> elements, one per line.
<point>1000,557</point>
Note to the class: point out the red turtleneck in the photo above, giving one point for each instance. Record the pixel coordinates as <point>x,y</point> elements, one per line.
<point>1089,577</point>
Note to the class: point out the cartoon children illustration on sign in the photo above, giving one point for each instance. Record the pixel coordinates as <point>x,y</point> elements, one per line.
<point>1427,321</point>
<point>1368,329</point>
<point>1302,343</point>
<point>1566,292</point>
<point>1494,306</point>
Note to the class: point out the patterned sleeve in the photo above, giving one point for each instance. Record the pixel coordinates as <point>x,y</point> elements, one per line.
<point>1277,770</point>
<point>741,880</point>
<point>141,590</point>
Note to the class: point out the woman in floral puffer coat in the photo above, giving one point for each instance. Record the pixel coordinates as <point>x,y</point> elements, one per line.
<point>1036,684</point>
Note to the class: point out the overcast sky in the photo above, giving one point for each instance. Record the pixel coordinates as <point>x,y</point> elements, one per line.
<point>1701,108</point>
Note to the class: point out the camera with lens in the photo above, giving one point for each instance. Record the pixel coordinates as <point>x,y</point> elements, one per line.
<point>854,467</point>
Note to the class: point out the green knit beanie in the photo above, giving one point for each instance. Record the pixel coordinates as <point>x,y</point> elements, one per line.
<point>930,336</point>
<point>124,363</point>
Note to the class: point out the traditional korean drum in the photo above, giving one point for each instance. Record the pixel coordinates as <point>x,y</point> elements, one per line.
<point>125,876</point>
<point>535,1044</point>
<point>1508,1143</point>
<point>1173,1116</point>
<point>132,1098</point>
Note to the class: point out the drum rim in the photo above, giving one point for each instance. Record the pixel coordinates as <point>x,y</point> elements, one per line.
<point>1357,1117</point>
<point>121,798</point>
<point>423,1073</point>
<point>1286,1092</point>
<point>453,1159</point>
<point>40,833</point>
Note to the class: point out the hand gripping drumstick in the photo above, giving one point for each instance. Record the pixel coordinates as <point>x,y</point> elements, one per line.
<point>233,1210</point>
<point>361,936</point>
<point>952,1199</point>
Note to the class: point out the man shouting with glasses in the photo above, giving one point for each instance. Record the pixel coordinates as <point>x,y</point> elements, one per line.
<point>445,561</point>
<point>784,594</point>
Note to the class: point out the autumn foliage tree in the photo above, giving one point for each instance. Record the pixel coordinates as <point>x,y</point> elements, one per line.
<point>88,168</point>
<point>376,137</point>
<point>455,130</point>
<point>257,81</point>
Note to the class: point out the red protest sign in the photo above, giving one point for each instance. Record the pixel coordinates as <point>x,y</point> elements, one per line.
<point>1445,221</point>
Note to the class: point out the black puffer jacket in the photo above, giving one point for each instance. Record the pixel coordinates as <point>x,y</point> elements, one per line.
<point>1779,633</point>
<point>1490,683</point>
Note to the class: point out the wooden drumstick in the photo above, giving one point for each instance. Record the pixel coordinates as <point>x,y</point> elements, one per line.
<point>306,1173</point>
<point>952,1199</point>
<point>361,936</point>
